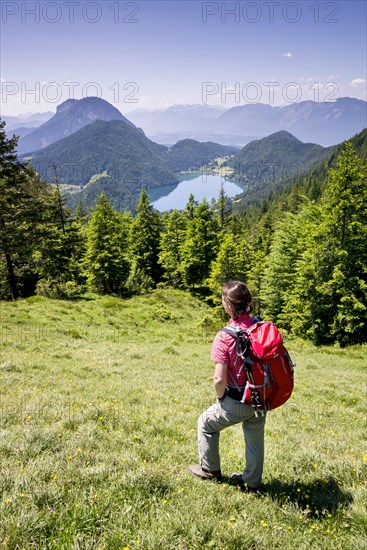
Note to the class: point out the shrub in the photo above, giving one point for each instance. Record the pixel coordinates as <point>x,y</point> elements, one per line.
<point>57,289</point>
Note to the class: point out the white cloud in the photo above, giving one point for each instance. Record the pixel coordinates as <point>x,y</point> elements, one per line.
<point>358,82</point>
<point>288,55</point>
<point>307,79</point>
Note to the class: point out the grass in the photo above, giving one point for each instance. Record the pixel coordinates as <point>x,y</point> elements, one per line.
<point>98,412</point>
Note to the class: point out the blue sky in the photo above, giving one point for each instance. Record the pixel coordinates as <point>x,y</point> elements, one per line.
<point>153,54</point>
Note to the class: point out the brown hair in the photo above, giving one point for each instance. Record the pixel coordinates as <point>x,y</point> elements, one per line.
<point>238,296</point>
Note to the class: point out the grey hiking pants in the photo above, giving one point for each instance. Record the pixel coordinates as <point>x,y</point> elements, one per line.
<point>220,416</point>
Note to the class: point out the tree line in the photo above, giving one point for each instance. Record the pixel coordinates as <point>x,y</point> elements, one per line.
<point>306,264</point>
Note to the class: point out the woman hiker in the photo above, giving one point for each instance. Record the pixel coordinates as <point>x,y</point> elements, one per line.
<point>228,410</point>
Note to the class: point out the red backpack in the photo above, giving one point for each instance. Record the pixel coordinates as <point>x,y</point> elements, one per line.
<point>268,366</point>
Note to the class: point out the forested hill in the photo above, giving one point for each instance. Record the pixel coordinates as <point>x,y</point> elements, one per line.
<point>115,157</point>
<point>313,184</point>
<point>263,210</point>
<point>189,154</point>
<point>185,155</point>
<point>114,148</point>
<point>259,198</point>
<point>269,163</point>
<point>259,203</point>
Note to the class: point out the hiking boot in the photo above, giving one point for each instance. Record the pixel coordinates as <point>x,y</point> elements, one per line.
<point>237,480</point>
<point>202,473</point>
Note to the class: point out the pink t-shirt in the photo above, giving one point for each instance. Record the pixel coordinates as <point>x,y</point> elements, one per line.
<point>223,351</point>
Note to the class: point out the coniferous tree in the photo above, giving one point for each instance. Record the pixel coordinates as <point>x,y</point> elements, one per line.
<point>300,309</point>
<point>172,239</point>
<point>80,213</point>
<point>228,265</point>
<point>257,247</point>
<point>345,230</point>
<point>256,258</point>
<point>105,264</point>
<point>329,297</point>
<point>61,249</point>
<point>288,243</point>
<point>223,208</point>
<point>125,219</point>
<point>200,246</point>
<point>191,206</point>
<point>24,201</point>
<point>144,246</point>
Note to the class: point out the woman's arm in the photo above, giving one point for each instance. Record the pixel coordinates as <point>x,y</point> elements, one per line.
<point>220,379</point>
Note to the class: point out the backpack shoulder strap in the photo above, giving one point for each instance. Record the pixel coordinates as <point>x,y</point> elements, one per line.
<point>232,331</point>
<point>242,339</point>
<point>235,332</point>
<point>242,345</point>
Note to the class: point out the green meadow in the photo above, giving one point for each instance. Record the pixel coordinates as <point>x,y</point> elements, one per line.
<point>99,399</point>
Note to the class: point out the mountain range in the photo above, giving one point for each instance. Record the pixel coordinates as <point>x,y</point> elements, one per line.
<point>111,155</point>
<point>114,158</point>
<point>30,120</point>
<point>25,124</point>
<point>71,116</point>
<point>324,123</point>
<point>90,144</point>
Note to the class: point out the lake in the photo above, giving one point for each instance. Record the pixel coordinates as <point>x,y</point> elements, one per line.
<point>200,185</point>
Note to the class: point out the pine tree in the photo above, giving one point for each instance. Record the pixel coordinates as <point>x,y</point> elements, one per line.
<point>105,264</point>
<point>61,247</point>
<point>200,246</point>
<point>125,221</point>
<point>223,208</point>
<point>329,296</point>
<point>256,273</point>
<point>80,213</point>
<point>144,246</point>
<point>257,249</point>
<point>191,206</point>
<point>345,229</point>
<point>228,265</point>
<point>288,243</point>
<point>172,239</point>
<point>24,201</point>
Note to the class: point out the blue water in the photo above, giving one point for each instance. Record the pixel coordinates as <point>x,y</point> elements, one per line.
<point>201,186</point>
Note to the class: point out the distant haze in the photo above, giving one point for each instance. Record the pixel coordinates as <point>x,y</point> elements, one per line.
<point>324,123</point>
